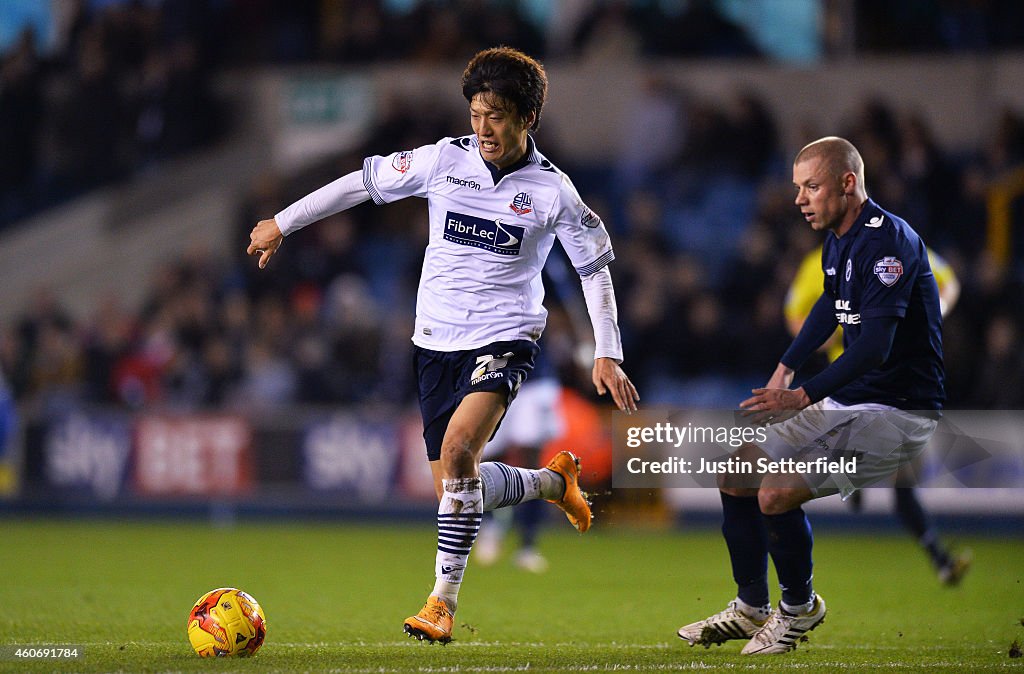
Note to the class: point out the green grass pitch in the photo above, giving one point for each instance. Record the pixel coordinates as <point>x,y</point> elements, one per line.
<point>335,596</point>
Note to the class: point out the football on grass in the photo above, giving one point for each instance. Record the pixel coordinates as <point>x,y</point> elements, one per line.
<point>226,622</point>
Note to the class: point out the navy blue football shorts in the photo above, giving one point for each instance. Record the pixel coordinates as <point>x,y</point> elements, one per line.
<point>446,377</point>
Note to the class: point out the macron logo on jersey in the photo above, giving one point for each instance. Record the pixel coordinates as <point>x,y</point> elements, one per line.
<point>462,182</point>
<point>493,235</point>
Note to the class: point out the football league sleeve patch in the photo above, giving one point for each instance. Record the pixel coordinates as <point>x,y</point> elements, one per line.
<point>400,174</point>
<point>887,279</point>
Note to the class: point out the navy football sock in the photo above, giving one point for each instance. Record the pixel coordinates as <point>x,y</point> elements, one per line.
<point>790,543</point>
<point>747,540</point>
<point>910,512</point>
<point>915,519</point>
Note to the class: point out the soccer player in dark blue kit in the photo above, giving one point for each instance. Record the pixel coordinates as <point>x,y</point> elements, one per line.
<point>880,287</point>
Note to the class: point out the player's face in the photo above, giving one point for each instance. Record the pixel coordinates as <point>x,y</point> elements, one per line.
<point>820,195</point>
<point>501,133</point>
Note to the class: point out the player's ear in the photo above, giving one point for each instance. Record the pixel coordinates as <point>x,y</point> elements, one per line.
<point>849,183</point>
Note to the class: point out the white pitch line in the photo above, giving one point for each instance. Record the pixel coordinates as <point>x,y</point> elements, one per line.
<point>680,645</point>
<point>675,667</point>
<point>695,665</point>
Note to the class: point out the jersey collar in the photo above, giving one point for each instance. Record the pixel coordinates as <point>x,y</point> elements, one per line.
<point>870,209</point>
<point>529,156</point>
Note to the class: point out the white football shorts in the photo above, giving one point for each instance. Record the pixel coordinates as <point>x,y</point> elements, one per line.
<point>881,439</point>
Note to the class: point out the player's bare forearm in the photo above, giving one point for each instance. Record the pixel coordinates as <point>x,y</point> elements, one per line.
<point>264,240</point>
<point>609,378</point>
<point>767,403</point>
<point>781,378</point>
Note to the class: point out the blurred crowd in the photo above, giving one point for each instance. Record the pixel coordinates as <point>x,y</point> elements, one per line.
<point>699,203</point>
<point>707,242</point>
<point>125,83</point>
<point>122,88</point>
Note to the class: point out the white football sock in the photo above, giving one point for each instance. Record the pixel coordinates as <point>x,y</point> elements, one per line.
<point>758,613</point>
<point>799,609</point>
<point>458,522</point>
<point>505,485</point>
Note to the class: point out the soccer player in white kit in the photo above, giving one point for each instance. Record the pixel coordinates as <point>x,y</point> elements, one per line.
<point>496,206</point>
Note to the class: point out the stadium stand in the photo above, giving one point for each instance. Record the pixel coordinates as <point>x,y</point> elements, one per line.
<point>138,212</point>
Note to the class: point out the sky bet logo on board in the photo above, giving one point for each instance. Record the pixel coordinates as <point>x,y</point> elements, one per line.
<point>493,235</point>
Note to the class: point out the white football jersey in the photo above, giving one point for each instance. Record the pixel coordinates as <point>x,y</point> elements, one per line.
<point>481,278</point>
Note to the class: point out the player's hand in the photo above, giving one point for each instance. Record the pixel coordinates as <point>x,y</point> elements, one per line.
<point>264,240</point>
<point>769,405</point>
<point>609,377</point>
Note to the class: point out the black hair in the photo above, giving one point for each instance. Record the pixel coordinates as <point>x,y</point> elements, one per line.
<point>510,75</point>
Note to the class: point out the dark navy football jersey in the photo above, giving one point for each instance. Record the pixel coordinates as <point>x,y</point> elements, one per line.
<point>880,268</point>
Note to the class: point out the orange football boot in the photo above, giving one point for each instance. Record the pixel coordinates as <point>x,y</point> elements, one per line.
<point>433,622</point>
<point>573,501</point>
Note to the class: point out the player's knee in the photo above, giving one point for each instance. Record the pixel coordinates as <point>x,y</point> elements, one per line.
<point>458,458</point>
<point>738,492</point>
<point>739,485</point>
<point>775,501</point>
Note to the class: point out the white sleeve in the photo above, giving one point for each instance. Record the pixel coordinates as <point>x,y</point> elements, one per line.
<point>581,231</point>
<point>345,192</point>
<point>401,174</point>
<point>604,315</point>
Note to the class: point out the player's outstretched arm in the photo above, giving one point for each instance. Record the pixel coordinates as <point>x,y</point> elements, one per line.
<point>264,240</point>
<point>344,193</point>
<point>609,378</point>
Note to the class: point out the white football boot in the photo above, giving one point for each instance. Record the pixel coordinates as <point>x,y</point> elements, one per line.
<point>782,631</point>
<point>730,623</point>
